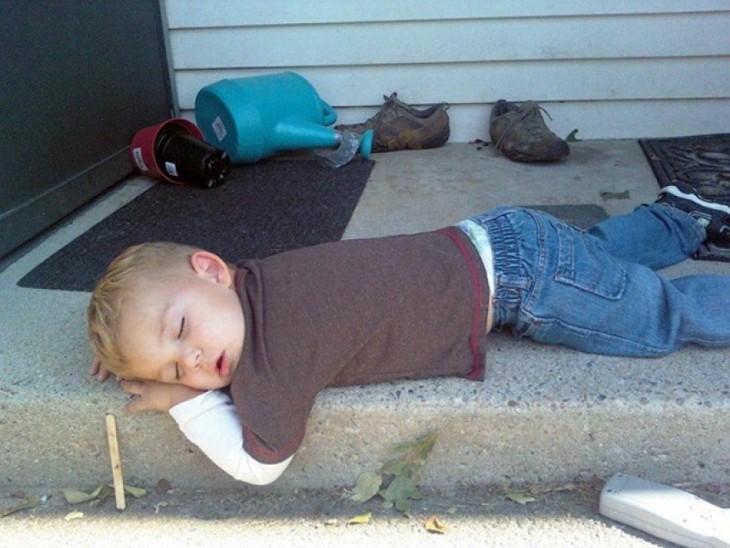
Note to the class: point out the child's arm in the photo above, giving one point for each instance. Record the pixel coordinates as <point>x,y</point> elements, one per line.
<point>156,396</point>
<point>210,421</point>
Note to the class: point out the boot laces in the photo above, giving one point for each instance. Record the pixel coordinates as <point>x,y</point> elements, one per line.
<point>527,114</point>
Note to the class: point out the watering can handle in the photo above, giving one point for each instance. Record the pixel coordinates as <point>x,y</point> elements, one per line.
<point>329,116</point>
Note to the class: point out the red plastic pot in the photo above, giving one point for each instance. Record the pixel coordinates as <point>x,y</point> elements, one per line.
<point>142,151</point>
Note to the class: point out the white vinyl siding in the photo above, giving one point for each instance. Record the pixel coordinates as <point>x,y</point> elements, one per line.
<point>620,69</point>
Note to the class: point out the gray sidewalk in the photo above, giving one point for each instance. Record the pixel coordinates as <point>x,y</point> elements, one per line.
<point>472,517</point>
<point>543,414</point>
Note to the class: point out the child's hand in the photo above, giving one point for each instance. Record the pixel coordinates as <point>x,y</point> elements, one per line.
<point>96,370</point>
<point>156,396</point>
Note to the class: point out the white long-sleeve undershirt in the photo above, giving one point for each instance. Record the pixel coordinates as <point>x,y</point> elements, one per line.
<point>210,422</point>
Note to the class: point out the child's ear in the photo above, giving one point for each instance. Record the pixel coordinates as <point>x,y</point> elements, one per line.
<point>211,266</point>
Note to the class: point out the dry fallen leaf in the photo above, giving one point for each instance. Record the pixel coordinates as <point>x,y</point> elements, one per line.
<point>520,498</point>
<point>73,515</point>
<point>434,525</point>
<point>556,488</point>
<point>163,486</point>
<point>360,519</point>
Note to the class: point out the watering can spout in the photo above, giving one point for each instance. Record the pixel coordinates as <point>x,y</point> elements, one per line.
<point>295,135</point>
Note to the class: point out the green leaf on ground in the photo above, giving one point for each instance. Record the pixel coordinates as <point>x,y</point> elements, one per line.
<point>74,496</point>
<point>572,137</point>
<point>366,487</point>
<point>398,480</point>
<point>400,491</point>
<point>625,195</point>
<point>25,503</point>
<point>412,455</point>
<point>136,492</point>
<point>406,472</point>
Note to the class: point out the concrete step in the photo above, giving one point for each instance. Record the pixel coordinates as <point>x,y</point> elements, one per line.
<point>544,414</point>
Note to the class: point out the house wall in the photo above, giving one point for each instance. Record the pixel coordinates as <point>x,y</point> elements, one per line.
<point>618,69</point>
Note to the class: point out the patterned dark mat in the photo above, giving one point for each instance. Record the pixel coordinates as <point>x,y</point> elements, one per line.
<point>702,161</point>
<point>262,209</point>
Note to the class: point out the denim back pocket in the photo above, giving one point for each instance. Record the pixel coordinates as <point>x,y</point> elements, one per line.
<point>583,263</point>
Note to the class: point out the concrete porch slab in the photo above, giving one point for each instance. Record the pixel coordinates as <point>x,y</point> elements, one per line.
<point>543,414</point>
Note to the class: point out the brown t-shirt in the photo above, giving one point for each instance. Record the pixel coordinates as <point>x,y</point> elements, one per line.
<point>353,312</point>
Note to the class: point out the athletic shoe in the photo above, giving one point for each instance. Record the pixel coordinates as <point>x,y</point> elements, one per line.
<point>399,126</point>
<point>519,131</point>
<point>713,215</point>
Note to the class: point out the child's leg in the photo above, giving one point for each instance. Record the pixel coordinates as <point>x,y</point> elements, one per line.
<point>560,285</point>
<point>654,235</point>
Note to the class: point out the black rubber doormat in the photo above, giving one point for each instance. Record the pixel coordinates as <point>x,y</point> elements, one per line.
<point>262,209</point>
<point>702,161</point>
<point>582,216</point>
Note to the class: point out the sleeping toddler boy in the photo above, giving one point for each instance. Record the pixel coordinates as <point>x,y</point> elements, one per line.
<point>237,354</point>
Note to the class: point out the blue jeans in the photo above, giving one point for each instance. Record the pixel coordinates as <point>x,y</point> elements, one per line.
<point>597,290</point>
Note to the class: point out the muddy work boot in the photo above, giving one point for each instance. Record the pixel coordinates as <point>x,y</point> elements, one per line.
<point>519,131</point>
<point>399,126</point>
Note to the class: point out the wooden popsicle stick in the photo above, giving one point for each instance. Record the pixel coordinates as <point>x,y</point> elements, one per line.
<point>111,433</point>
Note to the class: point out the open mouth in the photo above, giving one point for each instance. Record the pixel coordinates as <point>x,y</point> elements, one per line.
<point>221,365</point>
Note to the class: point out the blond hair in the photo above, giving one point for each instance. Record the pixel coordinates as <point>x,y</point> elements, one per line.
<point>140,263</point>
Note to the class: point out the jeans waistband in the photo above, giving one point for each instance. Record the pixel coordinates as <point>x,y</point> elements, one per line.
<point>510,279</point>
<point>479,236</point>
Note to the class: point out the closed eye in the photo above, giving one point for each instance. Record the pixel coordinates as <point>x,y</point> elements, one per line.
<point>179,336</point>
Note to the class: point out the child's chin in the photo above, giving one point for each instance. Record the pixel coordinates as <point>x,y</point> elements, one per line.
<point>215,384</point>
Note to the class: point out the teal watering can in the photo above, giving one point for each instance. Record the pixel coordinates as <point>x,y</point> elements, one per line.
<point>255,117</point>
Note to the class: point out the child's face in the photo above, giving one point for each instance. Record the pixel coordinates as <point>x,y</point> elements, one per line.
<point>186,331</point>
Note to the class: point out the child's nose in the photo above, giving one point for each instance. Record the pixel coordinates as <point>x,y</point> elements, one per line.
<point>192,358</point>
